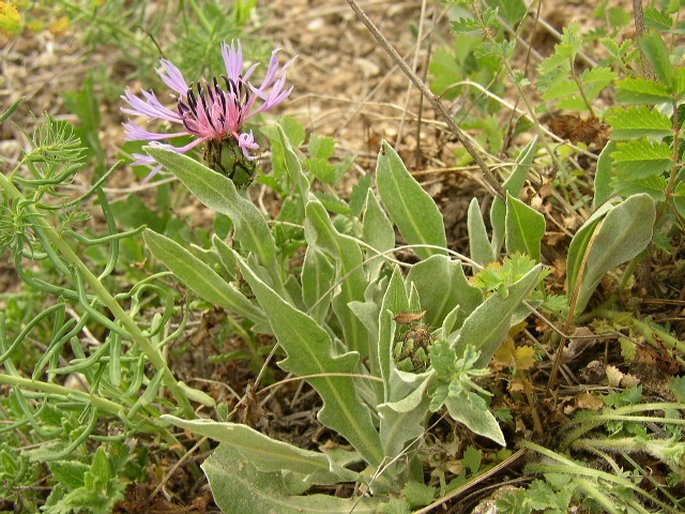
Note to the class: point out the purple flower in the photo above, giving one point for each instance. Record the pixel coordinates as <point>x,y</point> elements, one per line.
<point>212,111</point>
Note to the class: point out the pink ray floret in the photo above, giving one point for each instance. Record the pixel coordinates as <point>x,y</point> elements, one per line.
<point>208,110</point>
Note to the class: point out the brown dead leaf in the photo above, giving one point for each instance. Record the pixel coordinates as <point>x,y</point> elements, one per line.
<point>405,318</point>
<point>524,358</point>
<point>592,131</point>
<point>589,401</point>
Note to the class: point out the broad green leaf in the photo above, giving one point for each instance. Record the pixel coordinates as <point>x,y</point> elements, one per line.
<point>642,91</point>
<point>593,81</point>
<point>219,193</point>
<point>238,486</point>
<point>476,418</point>
<point>487,326</point>
<point>626,230</point>
<point>310,351</point>
<point>345,251</point>
<point>512,185</point>
<point>603,188</point>
<point>410,207</point>
<point>200,278</point>
<point>512,10</point>
<point>525,228</point>
<point>378,232</point>
<point>318,275</point>
<point>579,244</point>
<point>479,245</point>
<point>641,158</point>
<point>268,454</point>
<point>636,122</point>
<point>657,54</point>
<point>439,297</point>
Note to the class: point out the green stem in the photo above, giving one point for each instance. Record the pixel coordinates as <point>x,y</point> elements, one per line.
<point>154,356</point>
<point>651,331</point>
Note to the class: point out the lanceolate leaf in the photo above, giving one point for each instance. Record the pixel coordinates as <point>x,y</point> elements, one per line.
<point>487,326</point>
<point>377,232</point>
<point>603,188</point>
<point>237,486</point>
<point>410,207</point>
<point>268,454</point>
<point>525,228</point>
<point>310,351</point>
<point>479,245</point>
<point>513,186</point>
<point>636,122</point>
<point>318,276</point>
<point>199,277</point>
<point>623,234</point>
<point>219,193</point>
<point>641,158</point>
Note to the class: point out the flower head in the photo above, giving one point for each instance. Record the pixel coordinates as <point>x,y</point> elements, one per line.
<point>212,111</point>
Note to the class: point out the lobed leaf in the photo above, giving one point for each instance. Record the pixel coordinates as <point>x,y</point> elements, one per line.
<point>310,351</point>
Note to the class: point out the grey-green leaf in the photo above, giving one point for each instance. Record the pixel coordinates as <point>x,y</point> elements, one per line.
<point>410,207</point>
<point>220,194</point>
<point>487,326</point>
<point>442,286</point>
<point>525,228</point>
<point>480,248</point>
<point>237,486</point>
<point>310,351</point>
<point>626,230</point>
<point>200,278</point>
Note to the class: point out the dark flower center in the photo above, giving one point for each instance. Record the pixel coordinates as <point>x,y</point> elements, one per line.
<point>223,108</point>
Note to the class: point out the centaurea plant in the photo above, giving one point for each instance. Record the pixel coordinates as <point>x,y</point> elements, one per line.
<point>212,112</point>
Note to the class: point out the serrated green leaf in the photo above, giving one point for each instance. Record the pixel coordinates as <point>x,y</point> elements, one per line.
<point>472,458</point>
<point>199,277</point>
<point>237,486</point>
<point>525,228</point>
<point>68,473</point>
<point>440,297</point>
<point>480,249</point>
<point>268,454</point>
<point>418,494</point>
<point>625,231</point>
<point>321,147</point>
<point>443,360</point>
<point>655,51</point>
<point>310,351</point>
<point>657,20</point>
<point>487,326</point>
<point>465,25</point>
<point>641,158</point>
<point>678,387</point>
<point>410,207</point>
<point>654,186</point>
<point>636,122</point>
<point>219,193</point>
<point>642,91</point>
